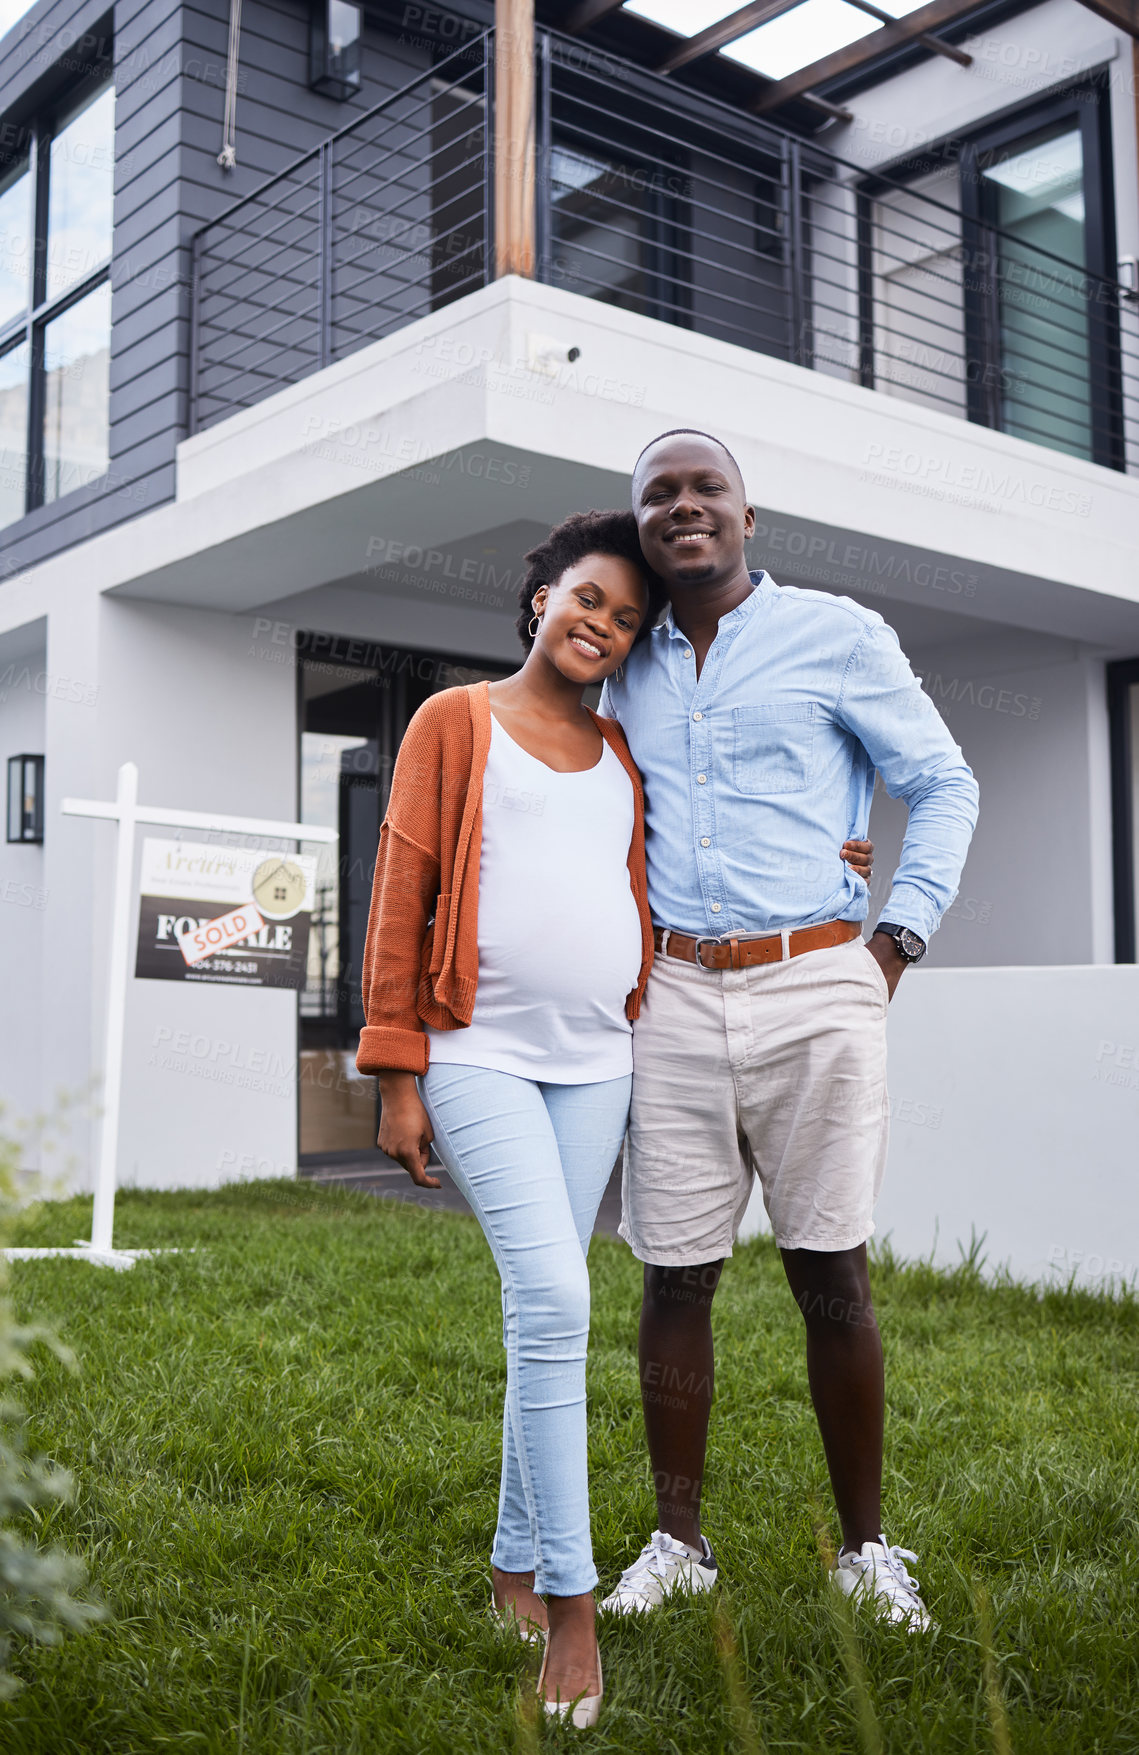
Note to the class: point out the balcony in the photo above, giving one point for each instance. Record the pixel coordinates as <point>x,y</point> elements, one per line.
<point>691,213</point>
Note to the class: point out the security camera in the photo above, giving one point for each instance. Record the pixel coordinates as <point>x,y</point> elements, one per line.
<point>545,354</point>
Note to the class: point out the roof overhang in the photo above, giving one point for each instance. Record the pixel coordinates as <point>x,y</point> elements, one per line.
<point>441,438</point>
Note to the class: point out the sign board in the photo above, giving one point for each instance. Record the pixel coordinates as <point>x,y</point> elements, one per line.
<point>236,915</point>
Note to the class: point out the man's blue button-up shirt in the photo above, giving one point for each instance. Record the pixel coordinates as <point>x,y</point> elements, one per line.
<point>758,771</point>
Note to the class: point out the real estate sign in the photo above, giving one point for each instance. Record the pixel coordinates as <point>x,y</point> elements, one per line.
<point>237,915</point>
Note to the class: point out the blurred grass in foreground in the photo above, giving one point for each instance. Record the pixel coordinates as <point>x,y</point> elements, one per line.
<point>287,1451</point>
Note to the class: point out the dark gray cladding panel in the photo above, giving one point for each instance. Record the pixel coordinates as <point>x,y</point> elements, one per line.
<point>170,62</point>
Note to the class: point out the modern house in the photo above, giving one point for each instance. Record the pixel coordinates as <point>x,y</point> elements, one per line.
<point>314,317</point>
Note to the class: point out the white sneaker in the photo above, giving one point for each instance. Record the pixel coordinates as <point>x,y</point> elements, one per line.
<point>878,1577</point>
<point>663,1566</point>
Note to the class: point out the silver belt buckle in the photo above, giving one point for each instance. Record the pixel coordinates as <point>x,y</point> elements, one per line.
<point>743,938</point>
<point>707,938</point>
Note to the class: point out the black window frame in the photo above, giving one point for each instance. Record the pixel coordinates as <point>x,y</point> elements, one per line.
<point>29,329</point>
<point>1086,105</point>
<point>1087,101</point>
<point>1122,677</point>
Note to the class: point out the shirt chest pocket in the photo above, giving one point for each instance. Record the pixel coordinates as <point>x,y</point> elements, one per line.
<point>773,748</point>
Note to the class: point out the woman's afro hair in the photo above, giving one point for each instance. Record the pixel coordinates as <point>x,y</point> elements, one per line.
<point>586,533</point>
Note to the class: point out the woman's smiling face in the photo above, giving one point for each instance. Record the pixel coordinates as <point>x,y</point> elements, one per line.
<point>590,616</point>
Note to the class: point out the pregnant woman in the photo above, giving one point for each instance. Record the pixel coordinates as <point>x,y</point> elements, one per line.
<point>508,948</point>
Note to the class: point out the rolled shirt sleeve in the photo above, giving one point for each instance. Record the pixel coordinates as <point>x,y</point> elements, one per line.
<point>882,703</point>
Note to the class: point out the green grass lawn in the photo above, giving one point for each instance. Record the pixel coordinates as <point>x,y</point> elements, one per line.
<point>286,1447</point>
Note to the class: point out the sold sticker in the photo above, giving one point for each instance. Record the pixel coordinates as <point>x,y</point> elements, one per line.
<point>218,935</point>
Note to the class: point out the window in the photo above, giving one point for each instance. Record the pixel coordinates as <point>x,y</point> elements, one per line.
<point>352,719</point>
<point>1123,710</point>
<point>1037,209</point>
<point>56,200</point>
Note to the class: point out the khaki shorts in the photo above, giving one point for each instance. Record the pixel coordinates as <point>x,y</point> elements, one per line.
<point>777,1071</point>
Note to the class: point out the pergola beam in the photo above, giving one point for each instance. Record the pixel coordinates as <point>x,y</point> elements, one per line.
<point>588,13</point>
<point>936,45</point>
<point>895,35</point>
<point>726,30</point>
<point>514,239</point>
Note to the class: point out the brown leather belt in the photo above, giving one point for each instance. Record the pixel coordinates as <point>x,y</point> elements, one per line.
<point>742,951</point>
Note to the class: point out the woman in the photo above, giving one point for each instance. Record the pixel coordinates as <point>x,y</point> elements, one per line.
<point>508,949</point>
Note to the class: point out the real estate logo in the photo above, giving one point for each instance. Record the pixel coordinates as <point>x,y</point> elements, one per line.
<point>235,915</point>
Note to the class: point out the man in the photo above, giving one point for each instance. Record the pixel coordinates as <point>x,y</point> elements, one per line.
<point>758,716</point>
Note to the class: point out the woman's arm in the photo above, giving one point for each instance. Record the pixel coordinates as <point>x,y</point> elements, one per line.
<point>404,894</point>
<point>405,1127</point>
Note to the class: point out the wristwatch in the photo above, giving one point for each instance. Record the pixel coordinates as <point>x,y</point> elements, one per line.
<point>910,946</point>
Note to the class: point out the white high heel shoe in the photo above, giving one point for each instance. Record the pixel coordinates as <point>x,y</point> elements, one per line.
<point>510,1622</point>
<point>584,1712</point>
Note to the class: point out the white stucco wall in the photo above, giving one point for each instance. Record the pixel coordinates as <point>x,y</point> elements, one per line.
<point>1014,1098</point>
<point>25,685</point>
<point>1031,718</point>
<point>211,724</point>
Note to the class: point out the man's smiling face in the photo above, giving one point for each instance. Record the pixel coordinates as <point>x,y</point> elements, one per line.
<point>692,512</point>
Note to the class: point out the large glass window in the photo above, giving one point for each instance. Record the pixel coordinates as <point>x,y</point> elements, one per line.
<point>1039,250</point>
<point>1123,709</point>
<point>77,363</point>
<point>1034,195</point>
<point>16,251</point>
<point>56,209</point>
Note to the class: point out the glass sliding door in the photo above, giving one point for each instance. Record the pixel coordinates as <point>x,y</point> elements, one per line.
<point>1041,328</point>
<point>353,718</point>
<point>1123,713</point>
<point>1034,197</point>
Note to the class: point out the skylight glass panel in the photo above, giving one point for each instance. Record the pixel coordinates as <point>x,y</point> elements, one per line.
<point>803,35</point>
<point>686,17</point>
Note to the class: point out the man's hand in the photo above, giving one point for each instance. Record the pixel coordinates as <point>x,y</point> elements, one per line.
<point>405,1128</point>
<point>859,855</point>
<point>888,958</point>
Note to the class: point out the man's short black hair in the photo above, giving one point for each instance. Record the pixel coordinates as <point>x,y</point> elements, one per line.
<point>693,433</point>
<point>582,534</point>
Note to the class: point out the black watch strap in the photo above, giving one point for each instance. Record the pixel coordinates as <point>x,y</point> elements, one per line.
<point>900,934</point>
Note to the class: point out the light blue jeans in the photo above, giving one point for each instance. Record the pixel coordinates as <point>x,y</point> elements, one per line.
<point>533,1160</point>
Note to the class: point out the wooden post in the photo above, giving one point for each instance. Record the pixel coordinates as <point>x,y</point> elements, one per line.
<point>514,137</point>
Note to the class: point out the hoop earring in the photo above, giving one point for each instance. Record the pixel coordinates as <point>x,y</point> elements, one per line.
<point>618,673</point>
<point>532,630</point>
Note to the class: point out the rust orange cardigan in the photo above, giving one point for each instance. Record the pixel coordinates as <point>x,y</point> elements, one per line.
<point>421,959</point>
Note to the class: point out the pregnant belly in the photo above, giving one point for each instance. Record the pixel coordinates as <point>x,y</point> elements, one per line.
<point>583,969</point>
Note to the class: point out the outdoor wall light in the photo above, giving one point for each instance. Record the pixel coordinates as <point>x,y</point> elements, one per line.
<point>334,48</point>
<point>26,798</point>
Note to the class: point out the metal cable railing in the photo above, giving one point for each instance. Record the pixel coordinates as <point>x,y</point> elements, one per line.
<point>772,244</point>
<point>383,222</point>
<point>708,220</point>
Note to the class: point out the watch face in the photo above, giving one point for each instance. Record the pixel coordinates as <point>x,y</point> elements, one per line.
<point>911,945</point>
<point>279,887</point>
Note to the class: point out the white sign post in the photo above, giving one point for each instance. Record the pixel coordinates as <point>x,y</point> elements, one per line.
<point>127,812</point>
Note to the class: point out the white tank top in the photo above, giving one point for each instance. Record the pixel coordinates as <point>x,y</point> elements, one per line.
<point>559,932</point>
